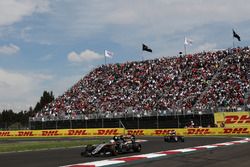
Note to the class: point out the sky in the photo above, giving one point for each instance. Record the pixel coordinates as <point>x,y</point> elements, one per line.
<point>51,44</point>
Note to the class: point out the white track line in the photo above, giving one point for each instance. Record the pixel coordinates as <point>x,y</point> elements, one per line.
<point>124,160</point>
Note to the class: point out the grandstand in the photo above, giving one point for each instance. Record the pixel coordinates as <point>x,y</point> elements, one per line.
<point>194,85</point>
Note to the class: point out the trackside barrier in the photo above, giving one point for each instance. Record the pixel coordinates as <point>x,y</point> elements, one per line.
<point>120,131</point>
<point>63,132</point>
<point>191,131</point>
<point>232,119</point>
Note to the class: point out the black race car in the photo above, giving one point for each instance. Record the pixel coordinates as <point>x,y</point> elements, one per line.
<point>100,150</point>
<point>172,137</point>
<point>118,145</point>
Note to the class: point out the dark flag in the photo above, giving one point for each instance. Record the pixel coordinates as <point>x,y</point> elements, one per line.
<point>235,35</point>
<point>146,48</point>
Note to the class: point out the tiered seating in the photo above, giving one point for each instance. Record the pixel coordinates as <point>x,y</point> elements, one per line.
<point>182,84</point>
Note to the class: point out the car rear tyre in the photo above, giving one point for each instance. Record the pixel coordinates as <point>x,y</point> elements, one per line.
<point>137,148</point>
<point>114,151</point>
<point>85,154</point>
<point>167,139</point>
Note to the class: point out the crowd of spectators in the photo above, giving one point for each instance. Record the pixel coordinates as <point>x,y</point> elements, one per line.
<point>231,84</point>
<point>183,85</point>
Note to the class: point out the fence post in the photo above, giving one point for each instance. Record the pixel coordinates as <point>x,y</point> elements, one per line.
<point>178,121</point>
<point>200,114</point>
<point>86,122</point>
<point>29,125</point>
<point>121,124</point>
<point>56,123</point>
<point>157,120</point>
<point>70,123</point>
<point>138,121</point>
<point>102,122</point>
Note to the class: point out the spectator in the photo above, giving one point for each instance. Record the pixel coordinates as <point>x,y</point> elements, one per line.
<point>196,82</point>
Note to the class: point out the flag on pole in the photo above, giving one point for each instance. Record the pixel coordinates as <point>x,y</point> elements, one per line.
<point>235,35</point>
<point>146,48</point>
<point>188,41</point>
<point>108,54</point>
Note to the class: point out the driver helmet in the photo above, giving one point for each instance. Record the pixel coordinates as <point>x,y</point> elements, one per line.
<point>173,132</point>
<point>112,141</point>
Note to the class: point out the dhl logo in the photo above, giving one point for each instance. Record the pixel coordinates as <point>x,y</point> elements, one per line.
<point>236,131</point>
<point>5,133</point>
<point>203,131</point>
<point>136,132</point>
<point>25,133</point>
<point>163,131</point>
<point>50,133</point>
<point>107,132</point>
<point>77,132</point>
<point>235,119</point>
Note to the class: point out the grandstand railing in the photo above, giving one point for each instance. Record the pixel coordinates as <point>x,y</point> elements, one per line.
<point>153,122</point>
<point>136,114</point>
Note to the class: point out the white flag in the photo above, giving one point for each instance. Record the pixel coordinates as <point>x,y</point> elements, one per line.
<point>108,54</point>
<point>188,41</point>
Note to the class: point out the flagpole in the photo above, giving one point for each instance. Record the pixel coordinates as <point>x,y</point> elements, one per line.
<point>233,42</point>
<point>105,58</point>
<point>233,37</point>
<point>185,49</point>
<point>142,57</point>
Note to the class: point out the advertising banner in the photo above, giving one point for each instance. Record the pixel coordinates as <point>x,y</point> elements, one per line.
<point>120,131</point>
<point>232,119</point>
<point>190,131</point>
<point>63,132</point>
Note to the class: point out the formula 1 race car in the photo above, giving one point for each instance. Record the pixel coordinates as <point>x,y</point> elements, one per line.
<point>100,150</point>
<point>172,137</point>
<point>118,145</point>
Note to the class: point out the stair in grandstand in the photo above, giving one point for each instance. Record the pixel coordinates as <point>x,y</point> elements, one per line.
<point>168,88</point>
<point>247,97</point>
<point>247,100</point>
<point>222,65</point>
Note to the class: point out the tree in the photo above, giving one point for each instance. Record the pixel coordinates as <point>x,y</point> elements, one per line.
<point>8,117</point>
<point>44,100</point>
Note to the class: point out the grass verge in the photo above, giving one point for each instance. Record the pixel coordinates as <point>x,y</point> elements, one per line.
<point>39,145</point>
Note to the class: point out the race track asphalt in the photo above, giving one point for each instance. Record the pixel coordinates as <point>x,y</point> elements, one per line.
<point>230,156</point>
